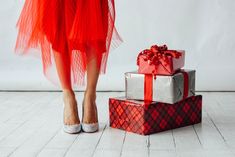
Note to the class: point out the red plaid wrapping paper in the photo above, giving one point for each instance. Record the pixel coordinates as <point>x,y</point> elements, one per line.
<point>151,117</point>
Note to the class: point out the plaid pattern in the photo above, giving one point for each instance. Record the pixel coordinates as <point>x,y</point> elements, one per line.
<point>150,117</point>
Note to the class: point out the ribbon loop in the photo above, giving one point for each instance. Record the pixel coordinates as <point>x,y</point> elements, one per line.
<point>158,55</point>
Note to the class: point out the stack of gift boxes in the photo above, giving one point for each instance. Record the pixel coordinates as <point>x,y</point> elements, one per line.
<point>159,96</point>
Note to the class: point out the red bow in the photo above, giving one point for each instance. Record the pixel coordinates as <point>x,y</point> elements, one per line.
<point>158,55</point>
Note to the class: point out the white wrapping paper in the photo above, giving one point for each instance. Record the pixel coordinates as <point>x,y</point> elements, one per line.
<point>167,89</point>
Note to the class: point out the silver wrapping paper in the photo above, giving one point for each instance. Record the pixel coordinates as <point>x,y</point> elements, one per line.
<point>166,89</point>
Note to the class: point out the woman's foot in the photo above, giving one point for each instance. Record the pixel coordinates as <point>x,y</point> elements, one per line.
<point>70,109</point>
<point>90,115</point>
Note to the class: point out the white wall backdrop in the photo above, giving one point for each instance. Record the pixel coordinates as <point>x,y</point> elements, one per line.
<point>204,28</point>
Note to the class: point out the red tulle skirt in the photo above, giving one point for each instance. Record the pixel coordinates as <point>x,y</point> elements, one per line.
<point>69,27</point>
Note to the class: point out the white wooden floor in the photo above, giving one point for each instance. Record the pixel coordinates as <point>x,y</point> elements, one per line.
<point>31,125</point>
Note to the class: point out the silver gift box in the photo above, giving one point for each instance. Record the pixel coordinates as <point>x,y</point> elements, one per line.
<point>166,89</point>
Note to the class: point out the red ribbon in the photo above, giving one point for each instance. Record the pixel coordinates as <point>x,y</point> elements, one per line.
<point>158,55</point>
<point>186,82</point>
<point>148,86</point>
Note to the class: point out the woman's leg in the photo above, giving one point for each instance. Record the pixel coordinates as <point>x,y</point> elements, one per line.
<point>62,61</point>
<point>93,65</point>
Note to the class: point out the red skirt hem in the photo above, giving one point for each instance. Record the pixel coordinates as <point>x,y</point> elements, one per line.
<point>72,28</point>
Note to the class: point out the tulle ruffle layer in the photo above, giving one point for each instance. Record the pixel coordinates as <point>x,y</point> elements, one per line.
<point>73,28</point>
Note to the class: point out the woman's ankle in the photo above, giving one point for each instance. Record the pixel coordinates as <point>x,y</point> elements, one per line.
<point>90,94</point>
<point>68,93</point>
<point>69,98</point>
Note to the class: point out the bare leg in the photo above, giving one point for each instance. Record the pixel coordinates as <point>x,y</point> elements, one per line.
<point>63,69</point>
<point>90,115</point>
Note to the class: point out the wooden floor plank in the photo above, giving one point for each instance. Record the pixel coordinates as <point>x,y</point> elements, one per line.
<point>162,141</point>
<point>141,152</point>
<point>163,153</point>
<point>6,151</point>
<point>36,142</point>
<point>61,140</point>
<point>32,108</point>
<point>6,129</point>
<point>222,116</point>
<point>137,145</point>
<point>107,153</point>
<point>27,129</point>
<point>208,134</point>
<point>14,105</point>
<point>52,152</point>
<point>31,125</point>
<point>205,153</point>
<point>186,138</point>
<point>86,143</point>
<point>112,139</point>
<point>111,143</point>
<point>40,137</point>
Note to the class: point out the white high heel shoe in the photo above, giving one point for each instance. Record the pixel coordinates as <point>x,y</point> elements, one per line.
<point>71,129</point>
<point>89,127</point>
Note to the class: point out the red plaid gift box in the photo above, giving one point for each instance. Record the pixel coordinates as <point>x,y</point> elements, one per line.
<point>158,60</point>
<point>151,117</point>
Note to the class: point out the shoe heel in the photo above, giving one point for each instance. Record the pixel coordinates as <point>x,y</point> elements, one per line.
<point>89,127</point>
<point>71,129</point>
